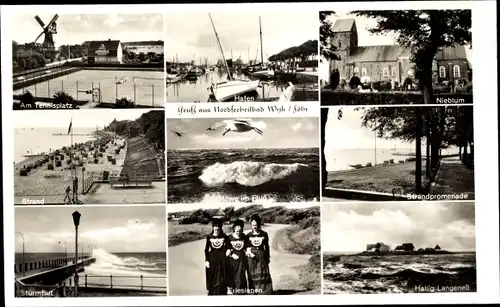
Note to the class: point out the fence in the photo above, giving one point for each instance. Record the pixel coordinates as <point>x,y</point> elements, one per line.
<point>109,91</point>
<point>40,264</point>
<point>91,177</point>
<point>120,283</point>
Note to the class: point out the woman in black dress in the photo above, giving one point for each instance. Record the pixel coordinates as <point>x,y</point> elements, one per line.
<point>216,252</point>
<point>237,279</point>
<point>258,259</point>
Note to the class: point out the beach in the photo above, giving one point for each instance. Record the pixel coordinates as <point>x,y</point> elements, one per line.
<point>45,177</point>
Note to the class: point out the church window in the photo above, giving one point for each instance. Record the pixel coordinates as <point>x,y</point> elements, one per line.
<point>394,74</point>
<point>442,72</point>
<point>456,71</point>
<point>385,71</point>
<point>363,71</point>
<point>356,70</point>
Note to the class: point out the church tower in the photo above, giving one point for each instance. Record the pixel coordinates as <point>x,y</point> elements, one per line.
<point>345,41</point>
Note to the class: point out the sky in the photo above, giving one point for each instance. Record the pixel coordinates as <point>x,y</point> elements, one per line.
<point>365,38</point>
<point>277,133</point>
<point>77,28</point>
<point>349,227</point>
<point>347,132</point>
<point>189,207</point>
<point>192,33</point>
<point>112,228</point>
<point>80,118</point>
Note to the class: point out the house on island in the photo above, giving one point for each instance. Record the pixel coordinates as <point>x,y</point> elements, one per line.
<point>407,247</point>
<point>110,52</point>
<point>390,63</point>
<point>378,247</point>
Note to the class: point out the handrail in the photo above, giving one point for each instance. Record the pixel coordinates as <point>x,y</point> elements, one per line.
<point>111,286</point>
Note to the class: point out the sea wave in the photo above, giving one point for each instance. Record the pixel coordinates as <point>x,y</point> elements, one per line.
<point>247,173</point>
<point>108,263</point>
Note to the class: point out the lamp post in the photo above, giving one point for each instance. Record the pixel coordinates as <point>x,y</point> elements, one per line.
<point>76,222</point>
<point>24,268</point>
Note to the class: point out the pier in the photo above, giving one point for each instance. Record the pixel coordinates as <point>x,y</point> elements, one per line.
<point>48,277</point>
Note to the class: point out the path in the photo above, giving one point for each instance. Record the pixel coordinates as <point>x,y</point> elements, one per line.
<point>187,266</point>
<point>454,178</point>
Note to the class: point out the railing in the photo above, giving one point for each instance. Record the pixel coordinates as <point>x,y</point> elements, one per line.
<point>99,175</point>
<point>41,264</point>
<point>109,284</point>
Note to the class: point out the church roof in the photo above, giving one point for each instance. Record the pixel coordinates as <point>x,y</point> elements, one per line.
<point>381,53</point>
<point>452,53</point>
<point>343,25</point>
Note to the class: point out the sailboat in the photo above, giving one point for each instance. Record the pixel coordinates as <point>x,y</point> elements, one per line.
<point>224,91</point>
<point>266,73</point>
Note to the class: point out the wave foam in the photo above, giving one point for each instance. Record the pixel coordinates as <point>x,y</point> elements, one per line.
<point>247,173</point>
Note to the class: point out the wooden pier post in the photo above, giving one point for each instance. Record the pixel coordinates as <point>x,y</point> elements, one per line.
<point>85,280</point>
<point>153,94</point>
<point>48,88</point>
<point>111,281</point>
<point>142,285</point>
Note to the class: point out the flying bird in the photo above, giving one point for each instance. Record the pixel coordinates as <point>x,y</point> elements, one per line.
<point>179,134</point>
<point>235,125</point>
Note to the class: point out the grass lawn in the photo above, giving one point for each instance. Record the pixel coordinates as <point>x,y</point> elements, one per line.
<point>381,178</point>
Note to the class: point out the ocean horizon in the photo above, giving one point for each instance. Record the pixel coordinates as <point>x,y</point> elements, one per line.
<point>341,159</point>
<point>32,141</point>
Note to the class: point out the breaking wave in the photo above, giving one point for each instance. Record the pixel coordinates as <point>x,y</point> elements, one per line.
<point>248,173</point>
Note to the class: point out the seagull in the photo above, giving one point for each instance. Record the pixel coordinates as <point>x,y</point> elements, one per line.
<point>236,125</point>
<point>179,134</point>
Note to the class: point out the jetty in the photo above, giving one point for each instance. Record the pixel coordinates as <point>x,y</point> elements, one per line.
<point>51,277</point>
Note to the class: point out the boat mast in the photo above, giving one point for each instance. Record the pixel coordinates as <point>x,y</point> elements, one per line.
<point>261,47</point>
<point>220,48</point>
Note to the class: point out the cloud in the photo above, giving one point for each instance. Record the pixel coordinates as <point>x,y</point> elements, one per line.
<point>351,226</point>
<point>113,20</point>
<point>303,126</point>
<point>204,139</point>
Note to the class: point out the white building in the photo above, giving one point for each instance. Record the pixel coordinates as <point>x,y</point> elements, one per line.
<point>110,51</point>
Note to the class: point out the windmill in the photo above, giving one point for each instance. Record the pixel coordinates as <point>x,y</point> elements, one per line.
<point>48,30</point>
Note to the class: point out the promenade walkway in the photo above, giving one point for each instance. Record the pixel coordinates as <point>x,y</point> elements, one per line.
<point>454,178</point>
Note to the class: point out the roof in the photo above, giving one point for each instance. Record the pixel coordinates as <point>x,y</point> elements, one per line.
<point>343,25</point>
<point>381,53</point>
<point>456,52</point>
<point>108,45</point>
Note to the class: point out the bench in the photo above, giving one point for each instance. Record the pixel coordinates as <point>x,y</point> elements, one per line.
<point>127,182</point>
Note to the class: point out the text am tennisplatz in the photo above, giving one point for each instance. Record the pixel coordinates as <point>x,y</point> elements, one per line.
<point>230,109</point>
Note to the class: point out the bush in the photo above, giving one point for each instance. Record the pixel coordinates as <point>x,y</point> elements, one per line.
<point>382,98</point>
<point>27,98</point>
<point>385,86</point>
<point>63,98</point>
<point>334,79</point>
<point>124,103</point>
<point>355,82</point>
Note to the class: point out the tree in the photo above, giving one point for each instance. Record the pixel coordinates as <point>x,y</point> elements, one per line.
<point>424,33</point>
<point>327,50</point>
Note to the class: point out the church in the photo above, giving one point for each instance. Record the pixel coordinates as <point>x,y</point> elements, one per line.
<point>390,63</point>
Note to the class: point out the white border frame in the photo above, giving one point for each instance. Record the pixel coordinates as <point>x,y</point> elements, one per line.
<point>486,188</point>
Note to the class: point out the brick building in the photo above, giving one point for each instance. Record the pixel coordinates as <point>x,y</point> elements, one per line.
<point>390,62</point>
